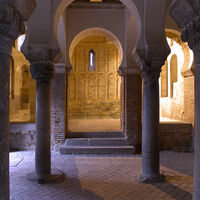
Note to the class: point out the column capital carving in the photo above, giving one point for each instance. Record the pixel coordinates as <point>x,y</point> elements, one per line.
<point>42,71</point>
<point>10,27</point>
<point>12,15</point>
<point>151,63</point>
<point>150,71</point>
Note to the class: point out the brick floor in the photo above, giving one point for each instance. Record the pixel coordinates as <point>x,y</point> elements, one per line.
<point>101,177</point>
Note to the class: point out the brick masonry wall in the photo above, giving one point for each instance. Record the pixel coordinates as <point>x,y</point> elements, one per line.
<point>58,109</point>
<point>189,99</point>
<point>176,136</point>
<point>132,109</point>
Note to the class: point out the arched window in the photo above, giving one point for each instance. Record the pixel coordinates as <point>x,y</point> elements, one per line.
<point>12,78</point>
<point>164,80</point>
<point>91,60</point>
<point>173,74</point>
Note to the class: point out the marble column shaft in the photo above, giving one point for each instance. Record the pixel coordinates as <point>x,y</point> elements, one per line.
<point>196,193</point>
<point>150,126</point>
<point>5,52</point>
<point>42,71</point>
<point>191,34</point>
<point>150,134</point>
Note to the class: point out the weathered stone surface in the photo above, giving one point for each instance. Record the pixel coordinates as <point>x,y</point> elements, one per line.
<point>182,12</point>
<point>43,71</point>
<point>151,68</point>
<point>4,125</point>
<point>11,25</point>
<point>191,34</point>
<point>25,8</point>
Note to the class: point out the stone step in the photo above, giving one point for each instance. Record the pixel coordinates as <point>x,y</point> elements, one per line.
<point>84,150</point>
<point>96,142</point>
<point>96,135</point>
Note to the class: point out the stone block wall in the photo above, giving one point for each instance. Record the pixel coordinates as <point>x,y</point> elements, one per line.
<point>94,93</point>
<point>173,136</point>
<point>22,136</point>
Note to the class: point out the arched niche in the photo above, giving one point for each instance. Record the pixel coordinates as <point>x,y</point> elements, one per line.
<point>98,90</point>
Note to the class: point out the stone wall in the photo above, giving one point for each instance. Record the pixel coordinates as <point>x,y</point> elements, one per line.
<point>189,99</point>
<point>22,136</point>
<point>173,136</point>
<point>94,93</point>
<point>22,90</point>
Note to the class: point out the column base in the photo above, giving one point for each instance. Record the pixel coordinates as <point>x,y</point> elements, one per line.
<point>56,176</point>
<point>151,179</point>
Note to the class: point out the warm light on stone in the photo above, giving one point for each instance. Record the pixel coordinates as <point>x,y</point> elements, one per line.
<point>95,0</point>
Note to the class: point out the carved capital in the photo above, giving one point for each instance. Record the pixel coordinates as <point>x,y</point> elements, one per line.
<point>151,63</point>
<point>11,26</point>
<point>150,71</point>
<point>12,14</point>
<point>42,71</point>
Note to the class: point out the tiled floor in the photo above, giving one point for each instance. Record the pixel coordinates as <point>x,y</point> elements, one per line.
<point>102,177</point>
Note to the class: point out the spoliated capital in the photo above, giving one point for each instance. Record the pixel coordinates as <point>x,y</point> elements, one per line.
<point>150,71</point>
<point>151,62</point>
<point>12,15</point>
<point>42,71</point>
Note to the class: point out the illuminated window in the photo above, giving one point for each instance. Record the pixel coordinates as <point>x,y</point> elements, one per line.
<point>164,80</point>
<point>95,0</point>
<point>92,60</point>
<point>173,74</point>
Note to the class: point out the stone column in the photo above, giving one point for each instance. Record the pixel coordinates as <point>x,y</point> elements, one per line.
<point>189,22</point>
<point>42,72</point>
<point>150,124</point>
<point>191,34</point>
<point>11,18</point>
<point>5,53</point>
